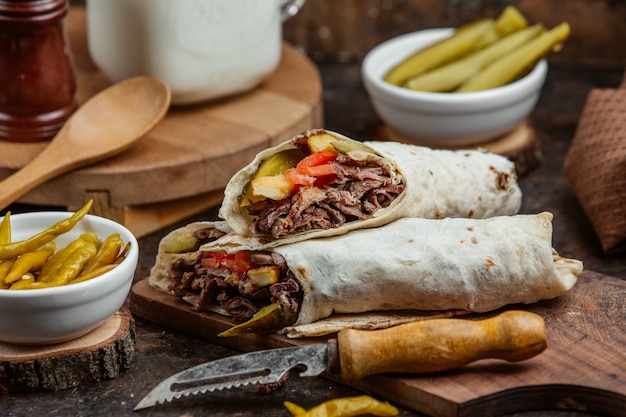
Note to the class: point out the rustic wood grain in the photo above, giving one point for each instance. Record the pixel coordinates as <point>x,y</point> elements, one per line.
<point>194,150</point>
<point>584,367</point>
<point>102,354</point>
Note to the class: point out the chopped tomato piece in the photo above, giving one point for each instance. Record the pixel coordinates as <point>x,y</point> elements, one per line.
<point>298,178</point>
<point>210,262</point>
<point>317,158</point>
<point>320,170</point>
<point>306,173</point>
<point>236,262</point>
<point>325,180</point>
<point>241,264</point>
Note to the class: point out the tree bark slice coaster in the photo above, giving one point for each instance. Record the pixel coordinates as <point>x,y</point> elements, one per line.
<point>520,145</point>
<point>102,354</point>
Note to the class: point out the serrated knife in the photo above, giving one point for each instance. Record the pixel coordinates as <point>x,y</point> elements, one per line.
<point>418,347</point>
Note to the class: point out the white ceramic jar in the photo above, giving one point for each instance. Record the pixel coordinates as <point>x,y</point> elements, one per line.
<point>203,49</point>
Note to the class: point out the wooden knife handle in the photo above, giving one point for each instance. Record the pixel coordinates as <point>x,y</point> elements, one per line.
<point>440,344</point>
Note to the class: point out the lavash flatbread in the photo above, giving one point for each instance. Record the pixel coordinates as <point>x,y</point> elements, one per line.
<point>462,265</point>
<point>438,184</point>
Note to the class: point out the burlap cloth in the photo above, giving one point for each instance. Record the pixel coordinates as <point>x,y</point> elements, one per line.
<point>595,165</point>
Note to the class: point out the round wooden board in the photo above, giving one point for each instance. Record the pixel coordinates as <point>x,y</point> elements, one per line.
<point>193,150</point>
<point>101,354</point>
<point>520,145</point>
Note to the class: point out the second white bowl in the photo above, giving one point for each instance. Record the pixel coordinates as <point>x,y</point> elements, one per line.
<point>447,119</point>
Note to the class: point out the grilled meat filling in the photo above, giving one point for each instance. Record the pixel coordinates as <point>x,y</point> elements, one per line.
<point>240,284</point>
<point>359,189</point>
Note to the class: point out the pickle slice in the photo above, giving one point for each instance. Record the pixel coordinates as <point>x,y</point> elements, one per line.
<point>181,244</point>
<point>279,163</point>
<point>269,319</point>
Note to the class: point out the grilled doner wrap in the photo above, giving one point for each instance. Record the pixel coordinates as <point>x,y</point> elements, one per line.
<point>470,265</point>
<point>321,183</point>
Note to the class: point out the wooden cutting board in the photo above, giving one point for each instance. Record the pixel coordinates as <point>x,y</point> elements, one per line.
<point>584,367</point>
<point>182,165</point>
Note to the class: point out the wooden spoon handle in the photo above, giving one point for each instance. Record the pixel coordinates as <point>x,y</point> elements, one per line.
<point>48,164</point>
<point>440,344</point>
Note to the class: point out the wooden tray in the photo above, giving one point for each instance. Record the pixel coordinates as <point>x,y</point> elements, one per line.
<point>182,165</point>
<point>584,367</point>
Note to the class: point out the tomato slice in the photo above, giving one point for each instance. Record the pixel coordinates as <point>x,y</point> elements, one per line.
<point>236,262</point>
<point>299,178</point>
<point>317,158</point>
<point>241,264</point>
<point>320,170</point>
<point>210,262</point>
<point>325,180</point>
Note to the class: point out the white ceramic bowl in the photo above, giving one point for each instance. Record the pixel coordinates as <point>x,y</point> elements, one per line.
<point>58,314</point>
<point>447,119</point>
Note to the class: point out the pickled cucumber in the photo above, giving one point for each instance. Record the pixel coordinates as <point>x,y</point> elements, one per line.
<point>518,62</point>
<point>510,20</point>
<point>467,39</point>
<point>449,77</point>
<point>279,163</point>
<point>439,53</point>
<point>269,319</point>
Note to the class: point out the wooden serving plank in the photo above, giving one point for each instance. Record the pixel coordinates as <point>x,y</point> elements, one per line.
<point>520,145</point>
<point>102,354</point>
<point>584,367</point>
<point>191,154</point>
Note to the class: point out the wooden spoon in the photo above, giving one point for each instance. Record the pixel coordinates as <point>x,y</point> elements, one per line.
<point>105,125</point>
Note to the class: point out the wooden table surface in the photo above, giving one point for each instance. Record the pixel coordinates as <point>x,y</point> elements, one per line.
<point>162,351</point>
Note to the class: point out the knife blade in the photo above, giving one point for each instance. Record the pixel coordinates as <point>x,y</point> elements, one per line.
<point>419,347</point>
